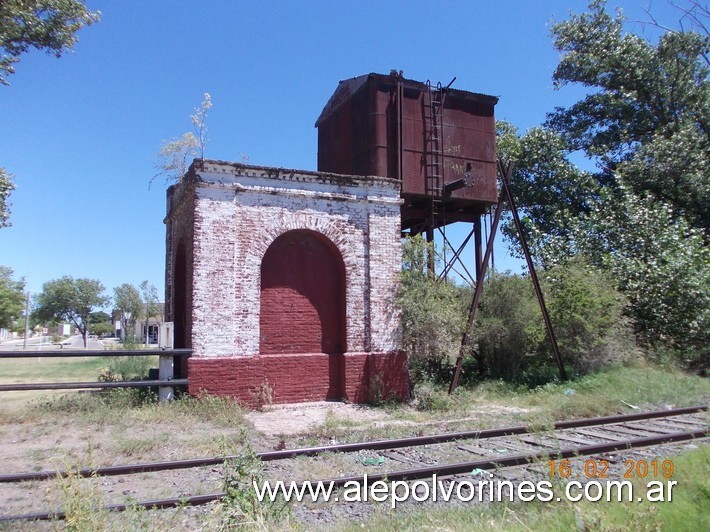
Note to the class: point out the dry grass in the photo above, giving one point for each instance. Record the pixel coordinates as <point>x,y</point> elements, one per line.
<point>123,426</point>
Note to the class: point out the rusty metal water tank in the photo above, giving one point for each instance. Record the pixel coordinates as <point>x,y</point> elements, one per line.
<point>426,135</point>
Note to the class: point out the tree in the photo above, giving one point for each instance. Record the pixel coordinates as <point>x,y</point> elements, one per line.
<point>643,215</point>
<point>102,329</point>
<point>129,305</point>
<point>12,298</point>
<point>49,25</point>
<point>151,301</point>
<point>658,260</point>
<point>100,323</point>
<point>6,187</point>
<point>551,192</point>
<point>71,300</point>
<point>99,316</point>
<point>588,315</point>
<point>647,116</point>
<point>176,154</point>
<point>509,326</point>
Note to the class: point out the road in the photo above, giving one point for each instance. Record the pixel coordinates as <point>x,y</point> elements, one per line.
<point>41,343</point>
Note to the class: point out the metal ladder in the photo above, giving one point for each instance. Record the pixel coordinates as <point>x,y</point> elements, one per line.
<point>433,106</point>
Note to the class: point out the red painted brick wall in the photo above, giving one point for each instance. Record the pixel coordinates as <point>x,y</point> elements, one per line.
<point>257,308</point>
<point>301,377</point>
<point>302,296</point>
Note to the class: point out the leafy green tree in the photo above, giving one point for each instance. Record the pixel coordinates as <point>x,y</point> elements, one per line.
<point>72,300</point>
<point>551,192</point>
<point>128,303</point>
<point>6,187</point>
<point>101,329</point>
<point>151,301</point>
<point>100,323</point>
<point>659,261</point>
<point>99,317</point>
<point>49,25</point>
<point>642,217</point>
<point>12,298</point>
<point>647,115</point>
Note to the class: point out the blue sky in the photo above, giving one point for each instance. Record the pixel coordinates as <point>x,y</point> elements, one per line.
<point>81,133</point>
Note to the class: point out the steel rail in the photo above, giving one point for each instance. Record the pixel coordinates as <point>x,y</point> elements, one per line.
<point>406,475</point>
<point>522,459</point>
<point>416,441</point>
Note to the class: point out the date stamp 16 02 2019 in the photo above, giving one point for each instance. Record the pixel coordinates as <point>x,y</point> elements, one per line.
<point>597,473</point>
<point>599,468</point>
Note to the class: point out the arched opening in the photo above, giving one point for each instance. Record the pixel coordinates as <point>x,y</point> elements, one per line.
<point>302,296</point>
<point>180,339</point>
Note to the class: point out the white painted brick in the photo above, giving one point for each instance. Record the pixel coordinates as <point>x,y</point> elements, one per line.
<point>240,210</point>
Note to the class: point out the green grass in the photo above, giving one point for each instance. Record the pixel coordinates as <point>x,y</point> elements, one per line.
<point>615,388</point>
<point>133,407</point>
<point>66,369</point>
<point>40,370</point>
<point>609,391</point>
<point>497,403</point>
<point>688,510</point>
<point>190,427</point>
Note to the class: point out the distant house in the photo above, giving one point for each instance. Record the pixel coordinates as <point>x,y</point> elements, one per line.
<point>64,329</point>
<point>6,334</point>
<point>140,331</point>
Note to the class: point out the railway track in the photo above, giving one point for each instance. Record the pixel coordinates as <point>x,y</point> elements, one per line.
<point>446,455</point>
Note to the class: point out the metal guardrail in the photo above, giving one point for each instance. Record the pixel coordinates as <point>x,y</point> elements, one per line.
<point>60,353</point>
<point>165,381</point>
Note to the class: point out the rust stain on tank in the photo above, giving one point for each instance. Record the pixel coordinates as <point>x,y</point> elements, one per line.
<point>378,125</point>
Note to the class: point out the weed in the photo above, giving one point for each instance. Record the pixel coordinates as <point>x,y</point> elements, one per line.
<point>131,343</point>
<point>375,390</point>
<point>241,504</point>
<point>430,398</point>
<point>81,499</point>
<point>262,395</point>
<point>95,407</point>
<point>130,446</point>
<point>223,411</point>
<point>332,427</point>
<point>126,368</point>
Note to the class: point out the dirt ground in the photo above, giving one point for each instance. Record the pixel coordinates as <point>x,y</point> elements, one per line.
<point>294,419</point>
<point>289,420</point>
<point>33,439</point>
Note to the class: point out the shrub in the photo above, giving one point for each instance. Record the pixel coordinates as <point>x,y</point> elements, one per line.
<point>587,316</point>
<point>101,329</point>
<point>131,343</point>
<point>242,508</point>
<point>430,398</point>
<point>509,324</point>
<point>433,314</point>
<point>126,368</point>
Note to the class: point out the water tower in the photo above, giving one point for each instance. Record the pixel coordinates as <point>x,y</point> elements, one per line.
<point>439,142</point>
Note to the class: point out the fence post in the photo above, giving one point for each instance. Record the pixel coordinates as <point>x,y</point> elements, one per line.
<point>165,372</point>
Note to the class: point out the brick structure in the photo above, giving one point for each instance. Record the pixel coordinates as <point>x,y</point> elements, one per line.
<point>285,278</point>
